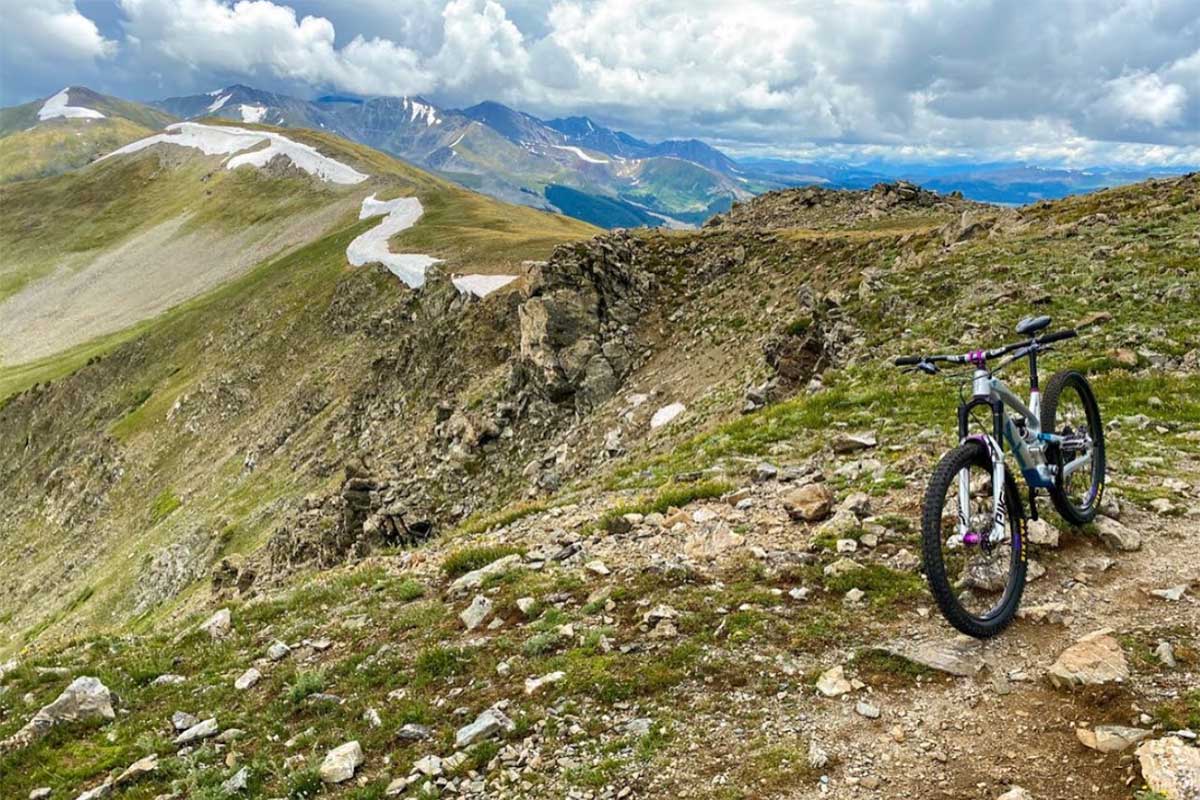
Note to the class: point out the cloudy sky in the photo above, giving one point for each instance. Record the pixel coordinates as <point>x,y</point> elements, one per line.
<point>1062,81</point>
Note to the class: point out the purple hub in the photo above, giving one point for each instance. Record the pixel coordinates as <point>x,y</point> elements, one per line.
<point>972,538</point>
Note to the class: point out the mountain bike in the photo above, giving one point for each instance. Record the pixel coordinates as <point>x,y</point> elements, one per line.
<point>973,526</point>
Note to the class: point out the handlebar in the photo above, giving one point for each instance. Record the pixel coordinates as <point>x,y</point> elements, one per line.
<point>979,357</point>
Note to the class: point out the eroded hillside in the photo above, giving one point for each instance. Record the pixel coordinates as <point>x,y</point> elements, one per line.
<point>690,479</point>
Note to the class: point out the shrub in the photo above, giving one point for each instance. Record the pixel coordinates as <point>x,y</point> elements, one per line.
<point>469,559</point>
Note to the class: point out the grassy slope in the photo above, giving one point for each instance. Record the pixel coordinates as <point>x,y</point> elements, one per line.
<point>30,148</point>
<point>1153,249</point>
<point>260,322</point>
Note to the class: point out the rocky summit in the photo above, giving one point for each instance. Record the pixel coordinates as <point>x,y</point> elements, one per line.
<point>643,522</point>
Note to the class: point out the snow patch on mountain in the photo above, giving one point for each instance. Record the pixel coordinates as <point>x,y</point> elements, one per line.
<point>57,106</point>
<point>580,154</point>
<point>422,111</point>
<point>224,140</point>
<point>372,247</point>
<point>252,113</point>
<point>481,285</point>
<point>219,103</point>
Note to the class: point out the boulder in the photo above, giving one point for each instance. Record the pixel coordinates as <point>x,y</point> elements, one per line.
<point>852,442</point>
<point>1094,660</point>
<point>810,503</point>
<point>141,767</point>
<point>341,762</point>
<point>1171,768</point>
<point>85,699</point>
<point>1016,793</point>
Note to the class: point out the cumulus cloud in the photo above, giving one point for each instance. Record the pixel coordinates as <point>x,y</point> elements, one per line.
<point>258,36</point>
<point>38,38</point>
<point>1071,79</point>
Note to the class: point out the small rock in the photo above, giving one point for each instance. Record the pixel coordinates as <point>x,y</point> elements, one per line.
<point>201,730</point>
<point>817,757</point>
<point>1094,660</point>
<point>847,545</point>
<point>1166,654</point>
<point>666,414</point>
<point>237,782</point>
<point>341,762</point>
<point>532,685</point>
<point>219,624</point>
<point>475,614</point>
<point>371,717</point>
<point>41,793</point>
<point>473,580</point>
<point>1015,793</point>
<point>430,766</point>
<point>247,679</point>
<point>168,680</point>
<point>1161,505</point>
<point>526,605</point>
<point>851,442</point>
<point>765,472</point>
<point>842,566</point>
<point>181,720</point>
<point>833,683</point>
<point>278,651</point>
<point>1042,533</point>
<point>1110,738</point>
<point>103,790</point>
<point>809,503</point>
<point>854,597</point>
<point>143,766</point>
<point>487,724</point>
<point>1172,594</point>
<point>857,503</point>
<point>1116,535</point>
<point>412,732</point>
<point>597,567</point>
<point>865,709</point>
<point>709,544</point>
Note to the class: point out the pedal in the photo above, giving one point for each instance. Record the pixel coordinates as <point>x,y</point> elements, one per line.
<point>1033,504</point>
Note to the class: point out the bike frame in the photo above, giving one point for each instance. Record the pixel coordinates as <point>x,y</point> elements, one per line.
<point>1029,448</point>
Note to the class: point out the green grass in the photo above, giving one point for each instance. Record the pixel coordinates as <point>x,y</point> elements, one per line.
<point>304,684</point>
<point>164,504</point>
<point>469,559</point>
<point>666,498</point>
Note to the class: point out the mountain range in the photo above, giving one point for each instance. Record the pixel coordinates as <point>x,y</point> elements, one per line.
<point>573,165</point>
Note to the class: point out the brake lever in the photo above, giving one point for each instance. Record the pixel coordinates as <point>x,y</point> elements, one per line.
<point>924,366</point>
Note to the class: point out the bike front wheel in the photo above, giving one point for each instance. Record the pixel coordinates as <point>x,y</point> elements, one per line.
<point>977,582</point>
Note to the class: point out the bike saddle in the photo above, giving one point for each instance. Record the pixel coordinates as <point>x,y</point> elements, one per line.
<point>1032,324</point>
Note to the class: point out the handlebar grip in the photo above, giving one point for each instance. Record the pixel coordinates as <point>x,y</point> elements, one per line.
<point>1058,336</point>
<point>907,361</point>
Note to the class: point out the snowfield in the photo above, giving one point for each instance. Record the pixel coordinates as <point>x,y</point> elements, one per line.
<point>217,104</point>
<point>252,113</point>
<point>582,155</point>
<point>57,106</point>
<point>422,111</point>
<point>372,246</point>
<point>481,285</point>
<point>223,140</point>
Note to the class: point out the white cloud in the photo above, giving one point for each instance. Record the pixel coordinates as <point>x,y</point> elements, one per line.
<point>255,36</point>
<point>44,35</point>
<point>1145,97</point>
<point>1063,77</point>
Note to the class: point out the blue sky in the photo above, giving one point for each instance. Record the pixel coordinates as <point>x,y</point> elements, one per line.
<point>1072,82</point>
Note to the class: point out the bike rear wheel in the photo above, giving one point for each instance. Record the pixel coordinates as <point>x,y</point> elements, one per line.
<point>977,583</point>
<point>1069,409</point>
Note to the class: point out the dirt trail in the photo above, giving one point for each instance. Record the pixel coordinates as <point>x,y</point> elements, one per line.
<point>973,738</point>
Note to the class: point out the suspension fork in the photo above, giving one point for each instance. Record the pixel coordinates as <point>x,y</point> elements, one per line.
<point>993,445</point>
